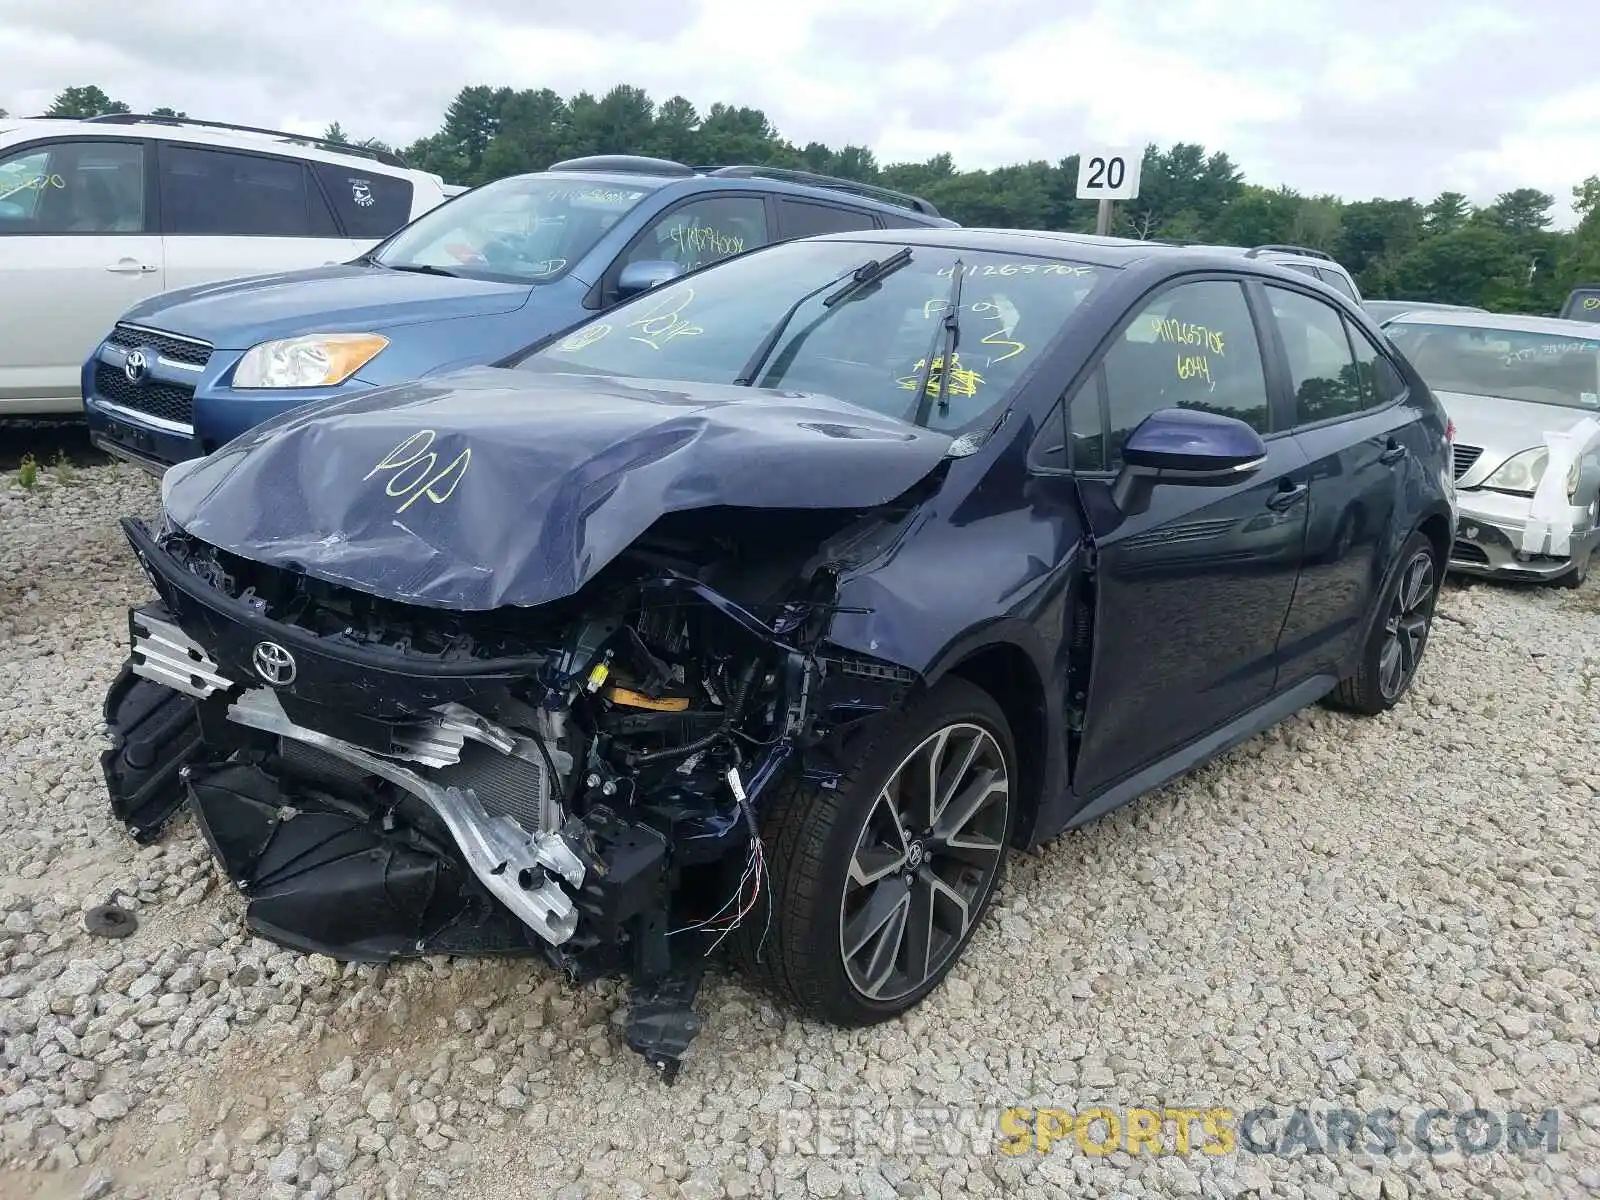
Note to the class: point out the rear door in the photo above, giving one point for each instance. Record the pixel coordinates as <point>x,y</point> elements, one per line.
<point>77,249</point>
<point>1192,593</point>
<point>230,213</point>
<point>1357,434</point>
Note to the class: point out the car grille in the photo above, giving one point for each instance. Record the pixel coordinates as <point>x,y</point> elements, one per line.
<point>177,349</point>
<point>169,401</point>
<point>1467,552</point>
<point>1465,457</point>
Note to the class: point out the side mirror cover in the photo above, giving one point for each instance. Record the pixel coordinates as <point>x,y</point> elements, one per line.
<point>645,274</point>
<point>1185,445</point>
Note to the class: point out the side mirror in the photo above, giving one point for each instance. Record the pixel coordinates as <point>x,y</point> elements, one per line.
<point>1185,445</point>
<point>641,276</point>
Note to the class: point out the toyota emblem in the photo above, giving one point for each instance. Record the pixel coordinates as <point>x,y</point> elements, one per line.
<point>136,366</point>
<point>274,664</point>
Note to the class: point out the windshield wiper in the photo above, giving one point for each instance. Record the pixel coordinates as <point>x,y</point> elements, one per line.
<point>945,339</point>
<point>853,280</point>
<point>419,269</point>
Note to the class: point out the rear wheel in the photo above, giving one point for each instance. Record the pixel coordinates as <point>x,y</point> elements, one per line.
<point>878,884</point>
<point>1394,648</point>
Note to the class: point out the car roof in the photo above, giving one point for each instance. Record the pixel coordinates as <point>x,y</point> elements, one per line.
<point>1087,248</point>
<point>176,129</point>
<point>663,172</point>
<point>1511,322</point>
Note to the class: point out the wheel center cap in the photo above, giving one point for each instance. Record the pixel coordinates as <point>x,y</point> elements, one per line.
<point>915,853</point>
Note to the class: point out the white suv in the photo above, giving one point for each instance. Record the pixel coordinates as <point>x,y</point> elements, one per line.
<point>97,215</point>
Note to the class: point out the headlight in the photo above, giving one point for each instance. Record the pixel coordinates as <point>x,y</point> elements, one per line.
<point>1521,472</point>
<point>315,360</point>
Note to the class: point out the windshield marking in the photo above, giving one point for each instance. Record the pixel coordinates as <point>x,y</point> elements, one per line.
<point>1591,302</point>
<point>963,381</point>
<point>400,461</point>
<point>1004,336</point>
<point>587,336</point>
<point>661,323</point>
<point>987,270</point>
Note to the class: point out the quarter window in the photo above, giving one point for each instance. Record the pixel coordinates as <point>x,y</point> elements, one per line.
<point>1192,347</point>
<point>704,231</point>
<point>241,195</point>
<point>73,187</point>
<point>1323,371</point>
<point>370,204</point>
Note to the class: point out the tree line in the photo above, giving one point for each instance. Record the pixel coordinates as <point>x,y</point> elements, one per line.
<point>1503,255</point>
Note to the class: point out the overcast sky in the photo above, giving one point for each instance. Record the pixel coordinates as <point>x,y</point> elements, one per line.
<point>1355,97</point>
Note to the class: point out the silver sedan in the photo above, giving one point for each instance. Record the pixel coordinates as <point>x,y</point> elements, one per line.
<point>1524,396</point>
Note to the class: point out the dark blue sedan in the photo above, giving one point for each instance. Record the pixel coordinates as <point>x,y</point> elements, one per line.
<point>770,608</point>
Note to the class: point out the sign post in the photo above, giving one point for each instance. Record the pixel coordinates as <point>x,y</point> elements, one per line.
<point>1107,174</point>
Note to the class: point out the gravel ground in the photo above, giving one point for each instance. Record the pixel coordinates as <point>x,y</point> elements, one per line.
<point>1395,913</point>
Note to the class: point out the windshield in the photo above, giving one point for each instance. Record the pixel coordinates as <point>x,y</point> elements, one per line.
<point>1544,368</point>
<point>870,348</point>
<point>1583,305</point>
<point>529,229</point>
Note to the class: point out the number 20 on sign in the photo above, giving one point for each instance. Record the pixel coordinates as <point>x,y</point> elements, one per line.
<point>1109,173</point>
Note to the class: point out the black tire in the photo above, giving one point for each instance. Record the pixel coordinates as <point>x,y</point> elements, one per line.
<point>812,836</point>
<point>154,732</point>
<point>1580,570</point>
<point>1401,618</point>
<point>1575,578</point>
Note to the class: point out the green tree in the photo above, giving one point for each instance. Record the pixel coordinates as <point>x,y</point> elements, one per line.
<point>1447,213</point>
<point>1474,265</point>
<point>164,111</point>
<point>1522,210</point>
<point>83,102</point>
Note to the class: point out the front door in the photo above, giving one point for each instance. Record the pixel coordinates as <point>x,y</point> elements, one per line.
<point>1192,592</point>
<point>75,254</point>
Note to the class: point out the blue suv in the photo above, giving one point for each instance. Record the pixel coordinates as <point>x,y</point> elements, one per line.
<point>475,279</point>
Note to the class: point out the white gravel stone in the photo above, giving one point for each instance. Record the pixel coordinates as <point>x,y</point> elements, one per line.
<point>1398,912</point>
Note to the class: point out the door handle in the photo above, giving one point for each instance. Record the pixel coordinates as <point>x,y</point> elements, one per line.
<point>129,266</point>
<point>1393,452</point>
<point>1287,495</point>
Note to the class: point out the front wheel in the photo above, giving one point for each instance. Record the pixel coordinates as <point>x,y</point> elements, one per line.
<point>878,884</point>
<point>1394,648</point>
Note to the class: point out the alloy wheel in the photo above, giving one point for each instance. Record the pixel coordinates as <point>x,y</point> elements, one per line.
<point>924,862</point>
<point>1406,627</point>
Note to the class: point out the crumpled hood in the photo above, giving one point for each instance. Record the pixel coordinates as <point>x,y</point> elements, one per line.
<point>491,487</point>
<point>238,313</point>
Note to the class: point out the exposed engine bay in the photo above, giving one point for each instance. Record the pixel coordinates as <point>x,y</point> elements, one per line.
<point>581,779</point>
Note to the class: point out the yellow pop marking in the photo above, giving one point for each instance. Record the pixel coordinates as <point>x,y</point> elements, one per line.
<point>412,465</point>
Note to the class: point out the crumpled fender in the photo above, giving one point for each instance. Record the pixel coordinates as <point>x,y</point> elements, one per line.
<point>494,487</point>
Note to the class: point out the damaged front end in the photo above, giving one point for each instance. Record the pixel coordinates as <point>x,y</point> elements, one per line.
<point>580,779</point>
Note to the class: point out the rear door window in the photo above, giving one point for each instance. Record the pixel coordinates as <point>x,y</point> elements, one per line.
<point>371,205</point>
<point>804,218</point>
<point>1323,371</point>
<point>223,194</point>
